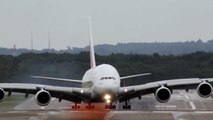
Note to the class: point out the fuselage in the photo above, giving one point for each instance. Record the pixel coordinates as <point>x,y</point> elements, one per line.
<point>102,80</point>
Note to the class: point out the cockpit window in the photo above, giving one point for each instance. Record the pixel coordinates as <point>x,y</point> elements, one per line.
<point>105,78</point>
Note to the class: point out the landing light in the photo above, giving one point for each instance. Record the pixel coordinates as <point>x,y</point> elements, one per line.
<point>107,97</point>
<point>108,101</point>
<point>125,90</point>
<point>82,91</point>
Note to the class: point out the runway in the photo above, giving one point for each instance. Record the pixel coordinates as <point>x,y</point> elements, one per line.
<point>182,106</point>
<point>111,115</point>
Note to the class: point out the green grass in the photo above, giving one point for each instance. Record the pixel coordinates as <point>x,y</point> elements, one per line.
<point>10,102</point>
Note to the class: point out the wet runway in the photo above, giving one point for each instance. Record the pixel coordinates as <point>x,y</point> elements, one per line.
<point>106,115</point>
<point>182,106</point>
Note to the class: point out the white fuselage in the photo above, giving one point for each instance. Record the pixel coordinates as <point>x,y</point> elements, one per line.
<point>103,79</point>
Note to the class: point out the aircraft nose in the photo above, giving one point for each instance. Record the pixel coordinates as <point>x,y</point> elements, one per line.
<point>102,88</point>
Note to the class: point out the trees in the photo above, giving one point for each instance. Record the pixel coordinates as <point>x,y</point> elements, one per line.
<point>18,69</point>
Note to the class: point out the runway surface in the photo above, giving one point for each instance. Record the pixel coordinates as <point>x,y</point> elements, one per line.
<point>182,106</point>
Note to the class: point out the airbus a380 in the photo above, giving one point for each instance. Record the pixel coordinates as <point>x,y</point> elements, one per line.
<point>102,84</point>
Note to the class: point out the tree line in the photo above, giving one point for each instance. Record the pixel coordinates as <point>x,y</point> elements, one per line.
<point>163,48</point>
<point>20,68</point>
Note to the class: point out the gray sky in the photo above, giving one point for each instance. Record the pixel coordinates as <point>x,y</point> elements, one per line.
<point>113,21</point>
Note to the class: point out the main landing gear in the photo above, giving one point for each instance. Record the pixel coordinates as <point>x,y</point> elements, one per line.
<point>89,106</point>
<point>76,106</point>
<point>110,106</point>
<point>126,106</point>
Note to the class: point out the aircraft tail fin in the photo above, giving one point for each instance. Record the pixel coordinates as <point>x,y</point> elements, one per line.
<point>92,53</point>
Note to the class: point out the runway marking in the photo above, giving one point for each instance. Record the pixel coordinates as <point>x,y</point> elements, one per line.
<point>34,118</point>
<point>160,112</point>
<point>64,108</point>
<point>187,97</point>
<point>209,112</point>
<point>16,112</point>
<point>53,99</point>
<point>192,105</point>
<point>109,116</point>
<point>168,106</point>
<point>147,96</point>
<point>53,113</point>
<point>177,97</point>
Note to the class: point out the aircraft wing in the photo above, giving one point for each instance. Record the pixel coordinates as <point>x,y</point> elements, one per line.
<point>67,93</point>
<point>127,93</point>
<point>57,79</point>
<point>137,75</point>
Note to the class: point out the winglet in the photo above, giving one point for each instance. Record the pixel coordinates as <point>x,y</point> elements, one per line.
<point>92,53</point>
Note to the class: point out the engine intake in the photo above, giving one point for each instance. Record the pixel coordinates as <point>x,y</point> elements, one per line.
<point>42,98</point>
<point>163,94</point>
<point>204,89</point>
<point>2,94</point>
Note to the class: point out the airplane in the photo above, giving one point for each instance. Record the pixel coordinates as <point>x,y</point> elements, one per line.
<point>101,84</point>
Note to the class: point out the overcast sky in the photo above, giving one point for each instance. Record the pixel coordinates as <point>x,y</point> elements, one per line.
<point>113,21</point>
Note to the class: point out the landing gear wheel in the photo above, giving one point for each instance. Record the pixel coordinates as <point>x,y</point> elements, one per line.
<point>90,106</point>
<point>114,107</point>
<point>76,106</point>
<point>110,106</point>
<point>129,107</point>
<point>106,106</point>
<point>126,106</point>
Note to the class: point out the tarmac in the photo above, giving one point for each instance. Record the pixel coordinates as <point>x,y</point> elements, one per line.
<point>182,106</point>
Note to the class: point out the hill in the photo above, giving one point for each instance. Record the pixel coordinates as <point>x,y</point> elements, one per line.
<point>164,48</point>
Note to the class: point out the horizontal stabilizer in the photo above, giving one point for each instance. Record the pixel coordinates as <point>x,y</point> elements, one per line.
<point>57,79</point>
<point>137,75</point>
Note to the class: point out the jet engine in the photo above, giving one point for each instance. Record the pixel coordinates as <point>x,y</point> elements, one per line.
<point>2,94</point>
<point>42,98</point>
<point>163,94</point>
<point>204,89</point>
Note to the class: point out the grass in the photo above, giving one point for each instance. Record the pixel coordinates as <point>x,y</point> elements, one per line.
<point>10,102</point>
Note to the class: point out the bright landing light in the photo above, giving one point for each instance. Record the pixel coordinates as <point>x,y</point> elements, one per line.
<point>108,101</point>
<point>107,97</point>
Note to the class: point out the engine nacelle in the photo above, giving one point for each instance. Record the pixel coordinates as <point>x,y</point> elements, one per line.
<point>2,94</point>
<point>204,89</point>
<point>43,98</point>
<point>163,94</point>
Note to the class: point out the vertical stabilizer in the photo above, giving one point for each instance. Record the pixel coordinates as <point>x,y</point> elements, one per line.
<point>31,35</point>
<point>92,53</point>
<point>49,40</point>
